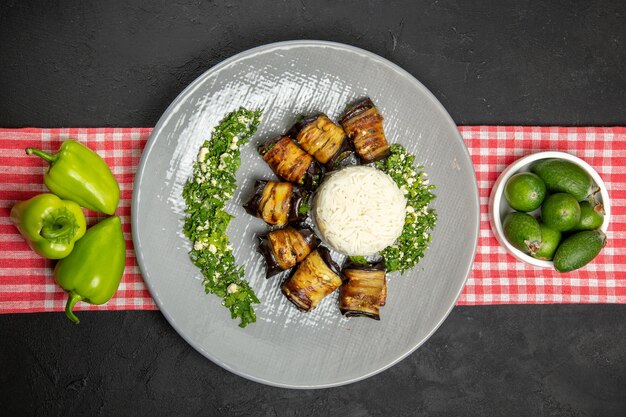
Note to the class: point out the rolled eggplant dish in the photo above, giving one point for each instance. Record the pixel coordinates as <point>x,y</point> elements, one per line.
<point>364,126</point>
<point>291,163</point>
<point>278,203</point>
<point>316,277</point>
<point>344,185</point>
<point>324,140</point>
<point>284,248</point>
<point>364,289</point>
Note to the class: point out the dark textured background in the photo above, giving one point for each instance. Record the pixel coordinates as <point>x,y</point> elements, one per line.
<point>120,63</point>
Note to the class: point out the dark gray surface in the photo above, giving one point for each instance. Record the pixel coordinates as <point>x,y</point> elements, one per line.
<point>483,361</point>
<point>500,62</point>
<point>118,63</point>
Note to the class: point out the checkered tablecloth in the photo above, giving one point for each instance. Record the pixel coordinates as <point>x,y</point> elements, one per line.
<point>26,283</point>
<point>497,278</point>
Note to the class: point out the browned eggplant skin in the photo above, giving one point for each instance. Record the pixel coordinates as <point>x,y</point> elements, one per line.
<point>370,266</point>
<point>315,278</point>
<point>271,265</point>
<point>291,163</point>
<point>364,290</point>
<point>328,260</point>
<point>313,177</point>
<point>364,126</point>
<point>339,159</point>
<point>252,206</point>
<point>303,241</point>
<point>301,124</point>
<point>324,140</point>
<point>269,250</point>
<point>297,197</point>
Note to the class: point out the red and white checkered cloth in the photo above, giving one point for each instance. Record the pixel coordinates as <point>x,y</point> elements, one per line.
<point>26,283</point>
<point>497,278</point>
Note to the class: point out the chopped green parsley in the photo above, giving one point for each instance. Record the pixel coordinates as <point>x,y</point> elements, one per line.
<point>420,219</point>
<point>361,260</point>
<point>206,193</point>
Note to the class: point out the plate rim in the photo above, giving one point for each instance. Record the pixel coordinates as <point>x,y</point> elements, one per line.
<point>139,174</point>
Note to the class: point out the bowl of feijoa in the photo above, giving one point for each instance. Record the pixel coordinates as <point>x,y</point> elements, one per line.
<point>550,209</point>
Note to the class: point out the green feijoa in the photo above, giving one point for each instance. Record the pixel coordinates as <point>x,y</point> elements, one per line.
<point>578,250</point>
<point>591,217</point>
<point>562,176</point>
<point>560,211</point>
<point>550,239</point>
<point>522,231</point>
<point>524,191</point>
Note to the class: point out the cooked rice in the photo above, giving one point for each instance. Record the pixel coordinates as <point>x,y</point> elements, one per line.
<point>359,210</point>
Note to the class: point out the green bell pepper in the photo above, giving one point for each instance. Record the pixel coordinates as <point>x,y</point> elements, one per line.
<point>49,225</point>
<point>79,174</point>
<point>93,271</point>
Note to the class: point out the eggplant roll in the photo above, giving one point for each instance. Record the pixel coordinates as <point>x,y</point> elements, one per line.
<point>284,248</point>
<point>315,278</point>
<point>323,139</point>
<point>364,126</point>
<point>291,163</point>
<point>278,203</point>
<point>364,290</point>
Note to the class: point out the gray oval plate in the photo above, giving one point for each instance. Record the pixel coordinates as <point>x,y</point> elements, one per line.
<point>285,347</point>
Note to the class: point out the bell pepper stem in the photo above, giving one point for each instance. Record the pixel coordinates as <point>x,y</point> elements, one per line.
<point>42,154</point>
<point>71,302</point>
<point>58,226</point>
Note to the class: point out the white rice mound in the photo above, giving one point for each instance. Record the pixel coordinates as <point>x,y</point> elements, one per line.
<point>359,210</point>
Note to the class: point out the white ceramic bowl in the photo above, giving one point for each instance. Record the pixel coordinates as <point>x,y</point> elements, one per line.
<point>499,208</point>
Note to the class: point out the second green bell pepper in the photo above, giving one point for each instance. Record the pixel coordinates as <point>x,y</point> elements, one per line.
<point>93,271</point>
<point>49,225</point>
<point>79,174</point>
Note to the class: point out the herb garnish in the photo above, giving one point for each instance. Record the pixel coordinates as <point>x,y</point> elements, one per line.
<point>206,193</point>
<point>420,220</point>
<point>361,260</point>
